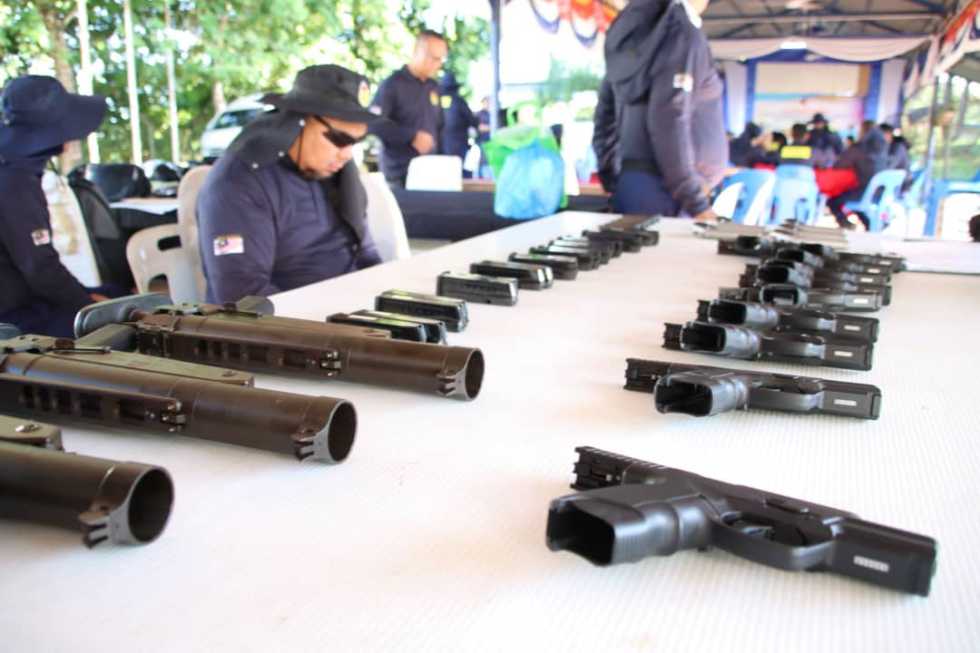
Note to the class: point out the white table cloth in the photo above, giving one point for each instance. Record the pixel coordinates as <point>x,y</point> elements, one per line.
<point>431,535</point>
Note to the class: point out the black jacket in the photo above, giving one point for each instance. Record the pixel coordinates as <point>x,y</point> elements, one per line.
<point>30,269</point>
<point>605,137</point>
<point>667,98</point>
<point>868,157</point>
<point>410,105</point>
<point>264,228</point>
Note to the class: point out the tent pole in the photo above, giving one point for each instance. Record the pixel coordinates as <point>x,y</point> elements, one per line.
<point>85,71</point>
<point>495,56</point>
<point>134,106</point>
<point>171,88</point>
<point>929,187</point>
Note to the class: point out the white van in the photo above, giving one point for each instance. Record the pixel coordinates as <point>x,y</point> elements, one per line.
<point>226,125</point>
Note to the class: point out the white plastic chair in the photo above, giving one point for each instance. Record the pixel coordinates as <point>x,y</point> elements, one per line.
<point>435,172</point>
<point>724,205</point>
<point>190,186</point>
<point>148,261</point>
<point>384,218</point>
<point>69,235</point>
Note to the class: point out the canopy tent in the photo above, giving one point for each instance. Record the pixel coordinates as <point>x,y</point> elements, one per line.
<point>790,85</point>
<point>729,19</point>
<point>955,51</point>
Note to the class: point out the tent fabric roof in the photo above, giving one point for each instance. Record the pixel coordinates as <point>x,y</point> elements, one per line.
<point>727,19</point>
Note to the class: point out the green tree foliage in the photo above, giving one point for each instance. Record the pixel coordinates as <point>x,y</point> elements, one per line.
<point>564,82</point>
<point>957,123</point>
<point>223,49</point>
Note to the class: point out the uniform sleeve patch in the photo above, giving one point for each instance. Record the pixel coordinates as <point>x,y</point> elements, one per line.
<point>684,81</point>
<point>447,101</point>
<point>41,237</point>
<point>229,244</point>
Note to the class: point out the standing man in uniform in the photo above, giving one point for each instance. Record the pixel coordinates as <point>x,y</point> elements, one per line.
<point>284,207</point>
<point>409,99</point>
<point>667,104</point>
<point>37,118</point>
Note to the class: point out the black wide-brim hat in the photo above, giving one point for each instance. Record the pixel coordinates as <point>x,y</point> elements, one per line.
<point>38,115</point>
<point>325,90</point>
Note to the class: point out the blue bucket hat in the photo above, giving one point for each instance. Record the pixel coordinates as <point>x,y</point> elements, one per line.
<point>37,114</point>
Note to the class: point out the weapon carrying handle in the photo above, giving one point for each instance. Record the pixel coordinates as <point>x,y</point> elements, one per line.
<point>119,337</point>
<point>113,311</point>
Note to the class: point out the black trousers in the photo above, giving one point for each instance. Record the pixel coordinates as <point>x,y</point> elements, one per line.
<point>836,206</point>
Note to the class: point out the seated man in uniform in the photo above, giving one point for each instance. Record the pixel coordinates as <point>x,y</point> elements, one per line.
<point>37,117</point>
<point>285,207</point>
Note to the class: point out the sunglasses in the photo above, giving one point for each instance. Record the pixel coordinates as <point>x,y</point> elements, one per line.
<point>337,137</point>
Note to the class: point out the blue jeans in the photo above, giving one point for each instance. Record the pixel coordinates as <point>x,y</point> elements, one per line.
<point>639,191</point>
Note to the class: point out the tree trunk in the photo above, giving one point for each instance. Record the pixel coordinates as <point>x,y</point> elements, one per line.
<point>55,24</point>
<point>218,97</point>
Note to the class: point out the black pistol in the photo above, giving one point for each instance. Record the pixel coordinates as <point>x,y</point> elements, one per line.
<point>795,319</point>
<point>628,509</point>
<point>776,271</point>
<point>702,391</point>
<point>748,344</point>
<point>787,294</point>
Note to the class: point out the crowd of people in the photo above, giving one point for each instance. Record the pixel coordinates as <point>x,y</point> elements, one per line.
<point>877,147</point>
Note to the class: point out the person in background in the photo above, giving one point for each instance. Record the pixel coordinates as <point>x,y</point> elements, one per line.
<point>38,118</point>
<point>284,207</point>
<point>798,150</point>
<point>868,156</point>
<point>776,145</point>
<point>409,99</point>
<point>667,99</point>
<point>458,119</point>
<point>826,144</point>
<point>483,122</point>
<point>898,151</point>
<point>799,134</point>
<point>745,147</point>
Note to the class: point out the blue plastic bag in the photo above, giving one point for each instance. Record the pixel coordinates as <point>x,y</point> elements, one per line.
<point>531,183</point>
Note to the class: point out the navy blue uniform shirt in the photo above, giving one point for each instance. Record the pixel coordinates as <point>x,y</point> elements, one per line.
<point>265,229</point>
<point>31,272</point>
<point>410,105</point>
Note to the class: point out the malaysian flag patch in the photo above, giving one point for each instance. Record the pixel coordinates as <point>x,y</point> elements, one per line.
<point>41,237</point>
<point>229,244</point>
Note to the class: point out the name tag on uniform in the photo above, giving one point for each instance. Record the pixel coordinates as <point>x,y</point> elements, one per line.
<point>229,244</point>
<point>41,237</point>
<point>684,81</point>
